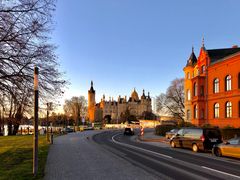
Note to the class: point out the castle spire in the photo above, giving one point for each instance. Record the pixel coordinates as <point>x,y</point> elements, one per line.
<point>203,42</point>
<point>91,89</point>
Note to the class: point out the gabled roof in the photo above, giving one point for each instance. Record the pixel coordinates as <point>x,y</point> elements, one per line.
<point>218,54</point>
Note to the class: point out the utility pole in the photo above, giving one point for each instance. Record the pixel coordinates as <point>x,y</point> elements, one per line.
<point>35,136</point>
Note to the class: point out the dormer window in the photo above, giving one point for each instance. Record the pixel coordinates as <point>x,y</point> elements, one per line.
<point>203,69</point>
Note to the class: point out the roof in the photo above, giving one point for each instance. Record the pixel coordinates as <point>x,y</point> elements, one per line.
<point>192,60</point>
<point>217,54</point>
<point>91,90</point>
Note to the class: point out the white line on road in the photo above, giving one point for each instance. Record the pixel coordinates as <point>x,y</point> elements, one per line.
<point>232,175</point>
<point>128,145</point>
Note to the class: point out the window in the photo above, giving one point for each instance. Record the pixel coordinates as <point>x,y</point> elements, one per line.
<point>202,90</point>
<point>188,95</point>
<point>195,89</point>
<point>216,110</point>
<point>203,69</point>
<point>238,80</point>
<point>195,112</point>
<point>188,75</point>
<point>228,83</point>
<point>188,114</point>
<point>228,110</point>
<point>202,114</point>
<point>239,108</point>
<point>216,85</point>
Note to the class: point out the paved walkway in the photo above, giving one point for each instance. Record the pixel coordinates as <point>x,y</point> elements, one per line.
<point>74,156</point>
<point>152,137</point>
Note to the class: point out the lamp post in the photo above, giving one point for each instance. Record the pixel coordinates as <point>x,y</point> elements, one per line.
<point>35,137</point>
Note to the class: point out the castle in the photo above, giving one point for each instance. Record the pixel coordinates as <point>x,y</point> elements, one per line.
<point>212,87</point>
<point>115,109</point>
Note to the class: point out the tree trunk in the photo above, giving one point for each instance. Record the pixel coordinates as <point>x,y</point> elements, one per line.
<point>15,128</point>
<point>9,127</point>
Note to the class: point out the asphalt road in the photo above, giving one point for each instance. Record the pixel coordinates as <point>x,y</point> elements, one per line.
<point>167,163</point>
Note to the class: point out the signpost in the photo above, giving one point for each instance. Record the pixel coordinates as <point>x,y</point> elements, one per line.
<point>35,136</point>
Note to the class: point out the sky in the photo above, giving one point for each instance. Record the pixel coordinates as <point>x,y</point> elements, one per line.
<point>142,44</point>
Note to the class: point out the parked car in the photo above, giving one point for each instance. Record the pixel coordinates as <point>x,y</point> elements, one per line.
<point>171,133</point>
<point>128,131</point>
<point>229,148</point>
<point>196,138</point>
<point>68,130</point>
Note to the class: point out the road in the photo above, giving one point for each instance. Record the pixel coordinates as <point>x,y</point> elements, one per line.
<point>166,163</point>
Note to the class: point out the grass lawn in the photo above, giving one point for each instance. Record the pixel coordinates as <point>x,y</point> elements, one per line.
<point>16,157</point>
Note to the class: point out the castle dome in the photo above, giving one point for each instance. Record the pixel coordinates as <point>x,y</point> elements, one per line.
<point>134,95</point>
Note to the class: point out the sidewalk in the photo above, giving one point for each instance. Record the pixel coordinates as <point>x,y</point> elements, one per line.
<point>152,137</point>
<point>75,156</point>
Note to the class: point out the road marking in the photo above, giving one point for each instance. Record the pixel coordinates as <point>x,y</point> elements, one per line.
<point>134,147</point>
<point>232,175</point>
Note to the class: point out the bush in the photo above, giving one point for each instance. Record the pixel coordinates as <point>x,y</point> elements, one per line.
<point>185,124</point>
<point>162,129</point>
<point>229,132</point>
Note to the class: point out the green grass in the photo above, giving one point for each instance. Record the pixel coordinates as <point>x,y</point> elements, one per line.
<point>16,157</point>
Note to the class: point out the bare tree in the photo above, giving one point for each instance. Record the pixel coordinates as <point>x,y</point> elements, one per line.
<point>172,102</point>
<point>24,43</point>
<point>76,107</point>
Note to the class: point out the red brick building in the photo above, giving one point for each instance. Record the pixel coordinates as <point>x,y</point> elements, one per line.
<point>212,87</point>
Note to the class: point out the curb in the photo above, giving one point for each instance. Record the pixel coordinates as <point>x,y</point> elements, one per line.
<point>162,140</point>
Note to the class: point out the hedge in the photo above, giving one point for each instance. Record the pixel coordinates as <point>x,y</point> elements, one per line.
<point>228,133</point>
<point>162,129</point>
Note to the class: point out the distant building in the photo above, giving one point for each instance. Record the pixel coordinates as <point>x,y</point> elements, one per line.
<point>115,109</point>
<point>212,87</point>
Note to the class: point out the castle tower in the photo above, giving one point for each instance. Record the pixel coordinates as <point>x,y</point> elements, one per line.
<point>91,103</point>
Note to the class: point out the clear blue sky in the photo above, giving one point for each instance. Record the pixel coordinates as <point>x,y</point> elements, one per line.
<point>122,44</point>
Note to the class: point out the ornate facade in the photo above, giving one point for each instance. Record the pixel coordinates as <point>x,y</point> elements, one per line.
<point>114,109</point>
<point>212,87</point>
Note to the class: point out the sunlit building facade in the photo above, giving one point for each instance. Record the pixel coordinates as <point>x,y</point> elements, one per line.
<point>212,87</point>
<point>115,108</point>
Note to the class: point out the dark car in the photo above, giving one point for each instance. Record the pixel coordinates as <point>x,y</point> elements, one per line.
<point>128,131</point>
<point>171,133</point>
<point>196,138</point>
<point>69,130</point>
<point>229,148</point>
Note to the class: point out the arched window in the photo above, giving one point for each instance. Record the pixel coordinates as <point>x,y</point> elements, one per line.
<point>203,69</point>
<point>228,109</point>
<point>195,89</point>
<point>202,114</point>
<point>238,80</point>
<point>188,114</point>
<point>216,85</point>
<point>195,112</point>
<point>228,83</point>
<point>188,95</point>
<point>239,108</point>
<point>216,110</point>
